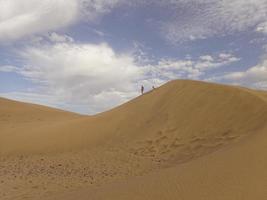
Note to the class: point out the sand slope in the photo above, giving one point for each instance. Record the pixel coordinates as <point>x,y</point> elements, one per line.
<point>234,173</point>
<point>184,140</point>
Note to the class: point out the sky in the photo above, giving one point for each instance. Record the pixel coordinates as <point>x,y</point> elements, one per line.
<point>88,56</point>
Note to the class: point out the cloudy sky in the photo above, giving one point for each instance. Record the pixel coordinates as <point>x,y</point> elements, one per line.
<point>88,56</point>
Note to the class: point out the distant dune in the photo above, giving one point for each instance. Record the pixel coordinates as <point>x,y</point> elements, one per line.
<point>184,140</point>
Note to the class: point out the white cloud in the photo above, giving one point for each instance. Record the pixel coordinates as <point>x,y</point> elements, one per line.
<point>20,18</point>
<point>81,74</point>
<point>255,76</point>
<point>206,58</point>
<point>206,18</point>
<point>262,28</point>
<point>261,85</point>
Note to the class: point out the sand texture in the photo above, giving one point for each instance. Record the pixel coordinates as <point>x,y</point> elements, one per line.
<point>186,140</point>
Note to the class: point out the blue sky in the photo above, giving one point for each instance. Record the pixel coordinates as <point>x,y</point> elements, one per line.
<point>88,56</point>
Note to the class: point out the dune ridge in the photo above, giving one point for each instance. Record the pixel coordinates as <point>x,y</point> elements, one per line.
<point>162,145</point>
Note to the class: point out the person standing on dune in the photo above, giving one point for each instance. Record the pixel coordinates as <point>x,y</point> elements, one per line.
<point>142,89</point>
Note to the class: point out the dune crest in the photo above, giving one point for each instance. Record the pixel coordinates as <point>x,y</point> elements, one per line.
<point>157,146</point>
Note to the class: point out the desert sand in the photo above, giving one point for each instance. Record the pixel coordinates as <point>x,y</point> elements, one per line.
<point>184,140</point>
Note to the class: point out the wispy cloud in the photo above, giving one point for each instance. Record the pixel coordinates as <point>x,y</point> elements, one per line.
<point>206,18</point>
<point>169,69</point>
<point>8,68</point>
<point>55,38</point>
<point>91,9</point>
<point>262,28</point>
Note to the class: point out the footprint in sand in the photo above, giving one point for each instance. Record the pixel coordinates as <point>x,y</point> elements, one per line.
<point>159,133</point>
<point>176,144</point>
<point>198,147</point>
<point>226,133</point>
<point>169,130</point>
<point>149,142</point>
<point>197,139</point>
<point>232,137</point>
<point>161,139</point>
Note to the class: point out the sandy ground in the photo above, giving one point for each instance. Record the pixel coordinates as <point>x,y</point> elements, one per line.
<point>184,140</point>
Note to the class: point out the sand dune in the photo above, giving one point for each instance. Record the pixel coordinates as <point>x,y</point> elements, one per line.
<point>184,140</point>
